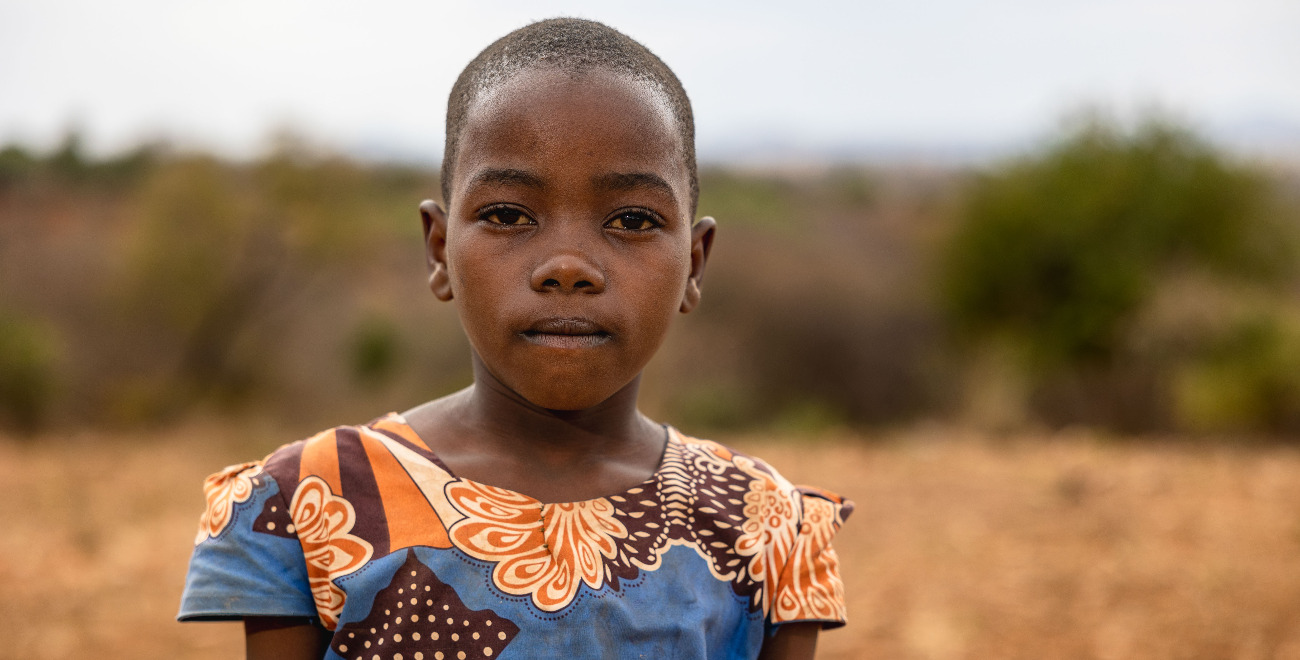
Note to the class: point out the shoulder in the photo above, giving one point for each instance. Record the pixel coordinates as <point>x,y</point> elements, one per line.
<point>773,535</point>
<point>349,457</point>
<point>763,477</point>
<point>333,455</point>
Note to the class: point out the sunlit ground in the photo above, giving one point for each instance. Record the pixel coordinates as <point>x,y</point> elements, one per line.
<point>962,546</point>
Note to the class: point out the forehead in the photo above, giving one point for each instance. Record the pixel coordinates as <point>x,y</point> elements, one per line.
<point>551,121</point>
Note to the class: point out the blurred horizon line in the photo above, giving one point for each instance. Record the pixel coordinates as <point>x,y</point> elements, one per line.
<point>1269,140</point>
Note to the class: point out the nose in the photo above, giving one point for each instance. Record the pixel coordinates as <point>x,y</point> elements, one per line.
<point>568,272</point>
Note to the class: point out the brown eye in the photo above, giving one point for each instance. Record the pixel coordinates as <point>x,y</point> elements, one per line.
<point>506,216</point>
<point>632,221</point>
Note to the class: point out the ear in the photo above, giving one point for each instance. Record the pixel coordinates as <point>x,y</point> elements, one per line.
<point>435,248</point>
<point>701,243</point>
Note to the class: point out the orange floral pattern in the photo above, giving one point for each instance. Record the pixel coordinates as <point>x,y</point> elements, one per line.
<point>223,490</point>
<point>540,551</point>
<point>811,588</point>
<point>323,521</point>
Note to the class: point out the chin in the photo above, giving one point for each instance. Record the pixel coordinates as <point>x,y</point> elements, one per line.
<point>573,391</point>
<point>569,401</point>
<point>565,383</point>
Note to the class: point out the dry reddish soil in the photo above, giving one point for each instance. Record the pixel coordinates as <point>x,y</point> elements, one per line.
<point>962,546</point>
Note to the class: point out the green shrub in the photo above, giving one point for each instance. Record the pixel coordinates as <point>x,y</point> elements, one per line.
<point>1059,253</point>
<point>1061,249</point>
<point>374,350</point>
<point>28,363</point>
<point>16,163</point>
<point>1249,380</point>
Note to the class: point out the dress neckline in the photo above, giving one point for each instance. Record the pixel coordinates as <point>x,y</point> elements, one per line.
<point>672,437</point>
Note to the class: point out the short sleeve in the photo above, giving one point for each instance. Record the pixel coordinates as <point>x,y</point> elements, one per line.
<point>247,561</point>
<point>809,587</point>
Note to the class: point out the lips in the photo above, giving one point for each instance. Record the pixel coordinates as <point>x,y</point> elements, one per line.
<point>566,333</point>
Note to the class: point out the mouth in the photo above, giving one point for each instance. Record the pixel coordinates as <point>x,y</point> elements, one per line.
<point>566,333</point>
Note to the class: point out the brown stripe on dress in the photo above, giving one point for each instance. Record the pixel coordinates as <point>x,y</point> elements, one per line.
<point>282,466</point>
<point>358,486</point>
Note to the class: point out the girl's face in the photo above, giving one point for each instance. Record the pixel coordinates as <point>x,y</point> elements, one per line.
<point>568,245</point>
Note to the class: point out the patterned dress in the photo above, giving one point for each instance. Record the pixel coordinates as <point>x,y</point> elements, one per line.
<point>366,530</point>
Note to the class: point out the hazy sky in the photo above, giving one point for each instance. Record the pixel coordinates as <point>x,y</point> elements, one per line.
<point>373,77</point>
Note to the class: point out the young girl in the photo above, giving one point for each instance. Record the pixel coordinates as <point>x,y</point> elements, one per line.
<point>536,513</point>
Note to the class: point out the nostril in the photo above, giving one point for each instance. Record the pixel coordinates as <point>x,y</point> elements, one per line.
<point>582,284</point>
<point>551,282</point>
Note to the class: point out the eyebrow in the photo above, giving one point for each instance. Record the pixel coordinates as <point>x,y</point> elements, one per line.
<point>619,181</point>
<point>507,176</point>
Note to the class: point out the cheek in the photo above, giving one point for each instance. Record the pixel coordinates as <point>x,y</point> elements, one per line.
<point>477,282</point>
<point>470,262</point>
<point>681,267</point>
<point>664,293</point>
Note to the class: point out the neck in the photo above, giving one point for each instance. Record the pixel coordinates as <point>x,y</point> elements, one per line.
<point>613,427</point>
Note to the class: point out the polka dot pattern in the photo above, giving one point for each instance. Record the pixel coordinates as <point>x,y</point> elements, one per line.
<point>433,624</point>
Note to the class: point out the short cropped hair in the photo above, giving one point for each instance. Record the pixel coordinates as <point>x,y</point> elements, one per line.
<point>572,45</point>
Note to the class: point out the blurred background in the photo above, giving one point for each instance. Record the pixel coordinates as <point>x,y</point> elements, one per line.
<point>1018,277</point>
